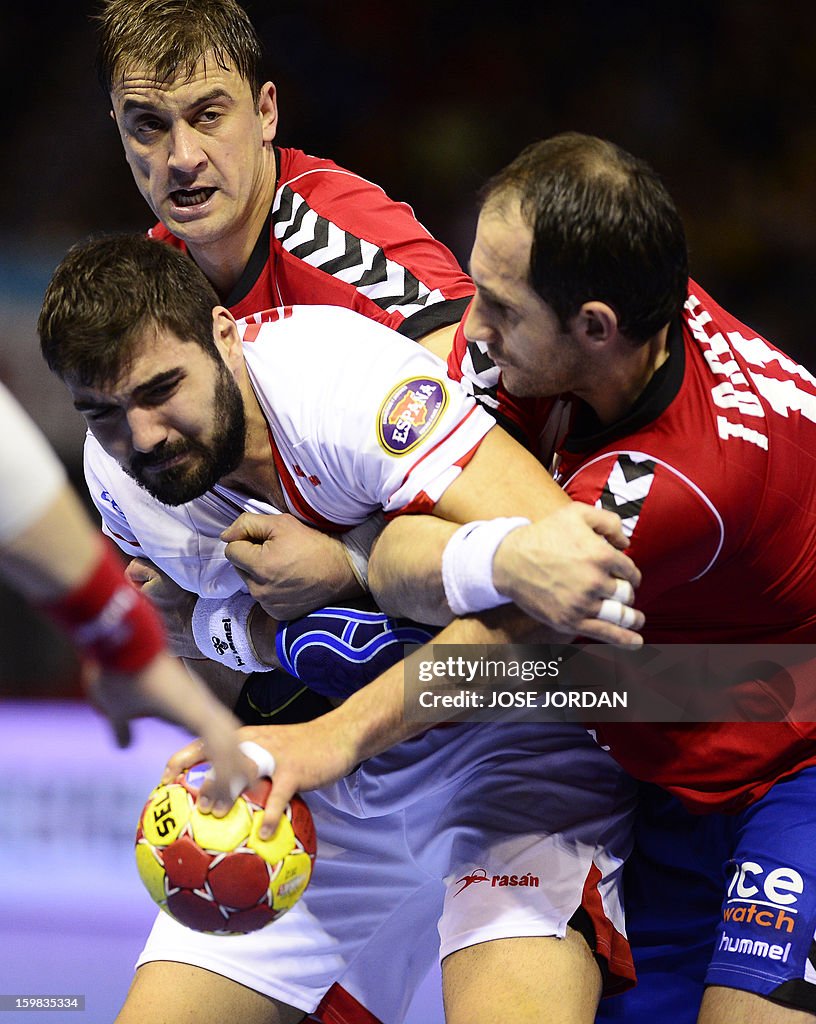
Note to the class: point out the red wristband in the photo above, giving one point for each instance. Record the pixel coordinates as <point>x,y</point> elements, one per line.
<point>109,619</point>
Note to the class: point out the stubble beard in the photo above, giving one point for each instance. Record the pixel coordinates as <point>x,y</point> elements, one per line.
<point>208,463</point>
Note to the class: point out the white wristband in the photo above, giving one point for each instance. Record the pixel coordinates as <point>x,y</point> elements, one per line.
<point>357,544</point>
<point>221,633</point>
<point>467,564</point>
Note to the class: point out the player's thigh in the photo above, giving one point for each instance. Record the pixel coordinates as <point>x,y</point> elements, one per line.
<point>164,992</point>
<point>730,1006</point>
<point>673,881</point>
<point>522,981</point>
<point>536,836</point>
<point>764,942</point>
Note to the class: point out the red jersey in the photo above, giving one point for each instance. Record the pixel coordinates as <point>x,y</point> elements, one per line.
<point>714,475</point>
<point>333,238</point>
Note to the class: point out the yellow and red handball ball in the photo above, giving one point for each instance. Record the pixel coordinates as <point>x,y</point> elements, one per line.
<point>216,874</point>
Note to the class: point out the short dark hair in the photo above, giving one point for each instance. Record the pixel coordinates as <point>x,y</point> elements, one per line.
<point>107,292</point>
<point>604,228</point>
<point>171,36</point>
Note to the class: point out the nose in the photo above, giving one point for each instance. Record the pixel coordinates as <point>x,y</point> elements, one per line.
<point>477,325</point>
<point>186,155</point>
<point>146,429</point>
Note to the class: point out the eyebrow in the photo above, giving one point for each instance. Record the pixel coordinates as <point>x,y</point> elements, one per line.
<point>165,377</point>
<point>88,405</point>
<point>201,101</point>
<point>491,297</point>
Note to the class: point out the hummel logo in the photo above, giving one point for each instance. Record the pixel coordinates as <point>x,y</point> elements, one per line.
<point>219,645</point>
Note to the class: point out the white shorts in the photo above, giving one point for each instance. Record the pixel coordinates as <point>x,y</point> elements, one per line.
<point>478,831</point>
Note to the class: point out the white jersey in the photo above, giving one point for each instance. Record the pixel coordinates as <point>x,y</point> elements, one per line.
<point>32,474</point>
<point>360,420</point>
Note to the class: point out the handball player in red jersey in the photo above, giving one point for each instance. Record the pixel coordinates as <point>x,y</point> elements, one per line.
<point>701,435</point>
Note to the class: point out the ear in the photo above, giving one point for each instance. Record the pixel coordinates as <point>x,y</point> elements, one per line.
<point>226,337</point>
<point>268,110</point>
<point>112,116</point>
<point>119,129</point>
<point>595,324</point>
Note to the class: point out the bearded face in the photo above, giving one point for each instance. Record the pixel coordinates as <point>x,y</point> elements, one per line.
<point>177,471</point>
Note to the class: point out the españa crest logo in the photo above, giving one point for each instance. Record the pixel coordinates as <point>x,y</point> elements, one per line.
<point>409,413</point>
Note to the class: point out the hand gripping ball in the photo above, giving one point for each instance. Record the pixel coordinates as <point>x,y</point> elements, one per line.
<point>215,874</point>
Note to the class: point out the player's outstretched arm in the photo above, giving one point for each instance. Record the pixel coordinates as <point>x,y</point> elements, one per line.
<point>165,688</point>
<point>172,602</point>
<point>317,753</point>
<point>566,568</point>
<point>51,553</point>
<point>61,563</point>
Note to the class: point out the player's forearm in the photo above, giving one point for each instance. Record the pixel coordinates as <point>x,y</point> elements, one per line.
<point>405,569</point>
<point>373,719</point>
<point>223,682</point>
<point>406,575</point>
<point>55,553</point>
<point>502,480</point>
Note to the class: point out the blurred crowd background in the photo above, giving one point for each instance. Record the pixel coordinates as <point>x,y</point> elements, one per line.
<point>428,99</point>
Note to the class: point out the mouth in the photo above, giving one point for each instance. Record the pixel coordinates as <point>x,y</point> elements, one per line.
<point>189,197</point>
<point>159,466</point>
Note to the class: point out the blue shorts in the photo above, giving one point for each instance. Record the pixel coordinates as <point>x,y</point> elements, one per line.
<point>721,900</point>
<point>764,941</point>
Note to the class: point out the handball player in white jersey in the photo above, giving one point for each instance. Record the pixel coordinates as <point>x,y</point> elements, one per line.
<point>332,417</point>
